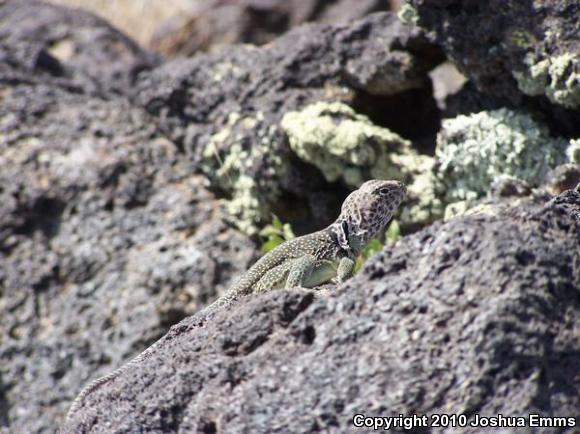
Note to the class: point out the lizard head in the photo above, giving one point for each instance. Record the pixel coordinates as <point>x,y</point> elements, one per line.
<point>366,212</point>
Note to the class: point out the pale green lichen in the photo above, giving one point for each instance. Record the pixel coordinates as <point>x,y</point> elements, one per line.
<point>473,151</point>
<point>573,151</point>
<point>343,144</point>
<point>456,209</point>
<point>557,77</point>
<point>424,204</point>
<point>523,38</point>
<point>465,207</point>
<point>249,172</point>
<point>225,70</point>
<point>348,147</point>
<point>408,14</point>
<point>534,80</point>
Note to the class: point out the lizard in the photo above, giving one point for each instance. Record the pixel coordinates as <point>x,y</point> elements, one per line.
<point>311,260</point>
<point>307,261</point>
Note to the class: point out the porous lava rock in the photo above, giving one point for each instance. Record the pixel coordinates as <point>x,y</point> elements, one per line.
<point>107,237</point>
<point>71,46</point>
<point>518,53</point>
<point>478,315</point>
<point>211,25</point>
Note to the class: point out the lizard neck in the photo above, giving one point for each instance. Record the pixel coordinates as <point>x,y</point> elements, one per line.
<point>347,237</point>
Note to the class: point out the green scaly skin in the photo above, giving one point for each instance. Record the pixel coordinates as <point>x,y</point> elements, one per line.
<point>326,255</point>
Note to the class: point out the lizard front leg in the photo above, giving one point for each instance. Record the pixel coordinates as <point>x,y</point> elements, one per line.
<point>345,269</point>
<point>300,271</point>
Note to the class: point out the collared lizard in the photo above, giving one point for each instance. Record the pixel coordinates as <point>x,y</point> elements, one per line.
<point>330,253</point>
<point>306,261</point>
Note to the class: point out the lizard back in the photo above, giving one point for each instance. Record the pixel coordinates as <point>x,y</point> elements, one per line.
<point>319,244</point>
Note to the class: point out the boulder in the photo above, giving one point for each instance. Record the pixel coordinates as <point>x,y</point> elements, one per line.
<point>523,52</point>
<point>211,25</point>
<point>107,237</point>
<point>476,316</point>
<point>70,46</point>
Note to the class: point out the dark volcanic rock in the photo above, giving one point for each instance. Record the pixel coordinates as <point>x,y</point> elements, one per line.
<point>477,315</point>
<point>60,42</point>
<point>503,38</point>
<point>377,55</point>
<point>517,52</point>
<point>106,239</point>
<point>214,24</point>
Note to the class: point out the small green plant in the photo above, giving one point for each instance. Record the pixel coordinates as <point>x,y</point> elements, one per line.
<point>392,235</point>
<point>275,234</point>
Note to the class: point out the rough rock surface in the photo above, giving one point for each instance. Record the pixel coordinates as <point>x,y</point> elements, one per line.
<point>530,44</point>
<point>517,52</point>
<point>209,25</point>
<point>68,45</point>
<point>477,315</point>
<point>225,109</point>
<point>137,18</point>
<point>109,233</point>
<point>106,239</point>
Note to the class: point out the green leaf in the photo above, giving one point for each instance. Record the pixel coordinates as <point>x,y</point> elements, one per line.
<point>276,222</point>
<point>271,244</point>
<point>358,264</point>
<point>287,232</point>
<point>372,247</point>
<point>270,231</point>
<point>393,232</point>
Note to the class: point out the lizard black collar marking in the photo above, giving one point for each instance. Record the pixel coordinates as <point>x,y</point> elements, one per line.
<point>339,234</point>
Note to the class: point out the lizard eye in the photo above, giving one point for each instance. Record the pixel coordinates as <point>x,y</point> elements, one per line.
<point>384,191</point>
